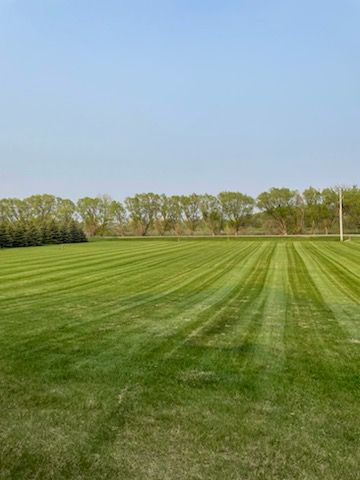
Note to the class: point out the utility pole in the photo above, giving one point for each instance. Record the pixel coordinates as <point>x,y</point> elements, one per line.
<point>341,215</point>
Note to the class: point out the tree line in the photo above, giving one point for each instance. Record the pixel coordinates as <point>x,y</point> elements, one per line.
<point>277,211</point>
<point>38,220</point>
<point>30,234</point>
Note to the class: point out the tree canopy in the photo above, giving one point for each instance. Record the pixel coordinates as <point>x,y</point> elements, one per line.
<point>41,219</point>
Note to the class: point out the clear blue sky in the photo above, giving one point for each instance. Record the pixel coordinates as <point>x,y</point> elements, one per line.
<point>175,96</point>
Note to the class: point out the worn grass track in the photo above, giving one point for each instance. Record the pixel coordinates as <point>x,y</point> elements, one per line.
<point>194,359</point>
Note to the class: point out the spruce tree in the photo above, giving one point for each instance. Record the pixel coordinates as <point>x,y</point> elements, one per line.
<point>54,233</point>
<point>19,235</point>
<point>82,236</point>
<point>33,234</point>
<point>45,234</point>
<point>5,236</point>
<point>64,233</point>
<point>74,232</point>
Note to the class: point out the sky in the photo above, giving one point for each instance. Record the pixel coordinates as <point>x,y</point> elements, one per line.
<point>176,96</point>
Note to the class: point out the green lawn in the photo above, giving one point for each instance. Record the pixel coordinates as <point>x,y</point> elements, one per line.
<point>194,359</point>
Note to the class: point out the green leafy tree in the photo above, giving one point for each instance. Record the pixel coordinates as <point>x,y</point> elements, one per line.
<point>236,208</point>
<point>190,205</point>
<point>163,219</point>
<point>313,208</point>
<point>169,214</point>
<point>42,207</point>
<point>330,200</point>
<point>280,204</point>
<point>65,210</point>
<point>5,215</point>
<point>176,213</point>
<point>14,210</point>
<point>97,213</point>
<point>88,209</point>
<point>351,204</point>
<point>211,212</point>
<point>143,209</point>
<point>299,217</point>
<point>118,215</point>
<point>106,213</point>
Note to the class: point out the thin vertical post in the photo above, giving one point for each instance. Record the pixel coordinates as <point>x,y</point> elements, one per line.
<point>341,215</point>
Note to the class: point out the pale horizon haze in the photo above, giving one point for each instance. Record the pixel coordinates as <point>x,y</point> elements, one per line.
<point>122,97</point>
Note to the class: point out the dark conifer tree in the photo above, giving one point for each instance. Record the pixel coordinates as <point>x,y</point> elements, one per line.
<point>45,234</point>
<point>19,235</point>
<point>33,235</point>
<point>54,233</point>
<point>64,233</point>
<point>74,232</point>
<point>5,236</point>
<point>82,236</point>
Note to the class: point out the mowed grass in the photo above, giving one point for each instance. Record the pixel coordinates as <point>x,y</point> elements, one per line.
<point>196,359</point>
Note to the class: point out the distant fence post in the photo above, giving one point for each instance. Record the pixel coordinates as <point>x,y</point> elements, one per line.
<point>341,215</point>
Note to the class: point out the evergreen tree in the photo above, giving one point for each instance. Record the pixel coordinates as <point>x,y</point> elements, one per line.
<point>74,232</point>
<point>54,233</point>
<point>45,234</point>
<point>64,233</point>
<point>5,236</point>
<point>33,235</point>
<point>82,236</point>
<point>19,235</point>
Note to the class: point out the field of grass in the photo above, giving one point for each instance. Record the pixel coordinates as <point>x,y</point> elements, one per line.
<point>194,359</point>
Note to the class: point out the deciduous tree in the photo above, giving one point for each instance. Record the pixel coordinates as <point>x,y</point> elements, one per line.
<point>190,205</point>
<point>211,212</point>
<point>236,208</point>
<point>280,205</point>
<point>143,209</point>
